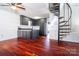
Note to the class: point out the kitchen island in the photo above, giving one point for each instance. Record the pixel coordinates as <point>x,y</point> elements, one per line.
<point>28,32</point>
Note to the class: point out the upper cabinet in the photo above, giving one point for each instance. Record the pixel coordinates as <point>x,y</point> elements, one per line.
<point>25,20</point>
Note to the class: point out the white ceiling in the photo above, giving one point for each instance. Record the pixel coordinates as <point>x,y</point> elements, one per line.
<point>32,9</point>
<point>36,9</point>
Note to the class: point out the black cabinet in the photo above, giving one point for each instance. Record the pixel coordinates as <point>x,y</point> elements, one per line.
<point>28,34</point>
<point>24,34</point>
<point>35,34</point>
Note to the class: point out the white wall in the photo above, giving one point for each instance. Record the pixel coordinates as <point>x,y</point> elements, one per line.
<point>75,17</point>
<point>74,35</point>
<point>9,22</point>
<point>52,28</point>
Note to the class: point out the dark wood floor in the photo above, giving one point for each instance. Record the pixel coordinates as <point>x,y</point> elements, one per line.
<point>37,47</point>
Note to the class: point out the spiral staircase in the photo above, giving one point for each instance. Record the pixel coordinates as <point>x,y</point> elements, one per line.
<point>64,22</point>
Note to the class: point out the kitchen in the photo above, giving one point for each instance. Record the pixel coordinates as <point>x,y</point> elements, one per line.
<point>31,28</point>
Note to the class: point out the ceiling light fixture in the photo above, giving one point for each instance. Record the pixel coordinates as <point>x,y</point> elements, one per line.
<point>37,17</point>
<point>13,7</point>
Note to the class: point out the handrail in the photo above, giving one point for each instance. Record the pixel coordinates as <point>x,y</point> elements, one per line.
<point>70,14</point>
<point>64,23</point>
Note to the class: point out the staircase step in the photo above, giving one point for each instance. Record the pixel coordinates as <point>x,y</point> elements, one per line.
<point>64,32</point>
<point>60,37</point>
<point>62,21</point>
<point>63,25</point>
<point>60,18</point>
<point>64,28</point>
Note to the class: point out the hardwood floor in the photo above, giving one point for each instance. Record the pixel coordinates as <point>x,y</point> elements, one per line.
<point>37,47</point>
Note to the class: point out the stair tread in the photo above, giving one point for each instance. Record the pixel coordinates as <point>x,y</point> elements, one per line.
<point>60,37</point>
<point>64,32</point>
<point>63,25</point>
<point>62,21</point>
<point>64,28</point>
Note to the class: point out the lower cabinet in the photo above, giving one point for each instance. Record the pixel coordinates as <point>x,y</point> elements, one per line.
<point>24,34</point>
<point>35,34</point>
<point>28,34</point>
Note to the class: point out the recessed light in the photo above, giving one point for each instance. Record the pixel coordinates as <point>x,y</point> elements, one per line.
<point>37,17</point>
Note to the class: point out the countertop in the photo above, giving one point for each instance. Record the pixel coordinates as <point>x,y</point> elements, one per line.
<point>29,27</point>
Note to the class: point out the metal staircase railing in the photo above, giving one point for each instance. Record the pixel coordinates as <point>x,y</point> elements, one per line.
<point>64,25</point>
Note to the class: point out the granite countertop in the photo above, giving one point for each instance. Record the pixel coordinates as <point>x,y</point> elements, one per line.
<point>29,27</point>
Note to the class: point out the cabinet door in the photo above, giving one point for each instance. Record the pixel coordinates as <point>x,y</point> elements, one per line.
<point>35,34</point>
<point>24,34</point>
<point>19,34</point>
<point>28,34</point>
